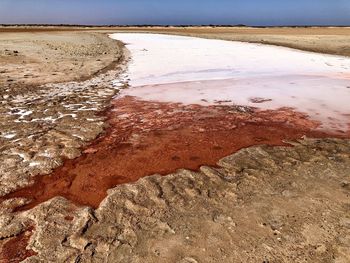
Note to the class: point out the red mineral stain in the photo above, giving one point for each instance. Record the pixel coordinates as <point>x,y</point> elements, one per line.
<point>68,218</point>
<point>15,249</point>
<point>146,138</point>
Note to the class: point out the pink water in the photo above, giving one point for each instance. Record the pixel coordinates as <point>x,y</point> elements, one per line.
<point>201,71</point>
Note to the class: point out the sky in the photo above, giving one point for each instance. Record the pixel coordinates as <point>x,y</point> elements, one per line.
<point>178,12</point>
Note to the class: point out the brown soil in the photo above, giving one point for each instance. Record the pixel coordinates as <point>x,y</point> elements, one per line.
<point>148,138</point>
<point>330,40</point>
<point>15,250</point>
<point>147,141</point>
<point>337,44</point>
<point>32,58</point>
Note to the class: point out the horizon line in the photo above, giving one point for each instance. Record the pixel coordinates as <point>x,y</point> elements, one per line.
<point>166,25</point>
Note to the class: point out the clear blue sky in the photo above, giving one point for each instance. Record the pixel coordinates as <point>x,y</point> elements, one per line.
<point>250,12</point>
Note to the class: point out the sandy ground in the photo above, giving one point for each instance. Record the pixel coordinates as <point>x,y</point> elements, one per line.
<point>30,59</point>
<point>323,40</point>
<point>261,204</point>
<point>39,55</point>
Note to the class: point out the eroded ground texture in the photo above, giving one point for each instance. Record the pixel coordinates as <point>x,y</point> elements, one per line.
<point>283,203</point>
<point>48,124</point>
<point>262,204</point>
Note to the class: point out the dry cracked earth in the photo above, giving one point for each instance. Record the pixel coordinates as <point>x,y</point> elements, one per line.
<point>260,204</point>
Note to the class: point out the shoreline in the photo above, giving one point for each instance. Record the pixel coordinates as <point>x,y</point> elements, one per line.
<point>125,152</point>
<point>321,41</point>
<point>220,128</point>
<point>151,201</point>
<point>47,124</point>
<point>333,41</point>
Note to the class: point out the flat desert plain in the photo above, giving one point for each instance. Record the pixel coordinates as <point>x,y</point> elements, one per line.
<point>174,144</point>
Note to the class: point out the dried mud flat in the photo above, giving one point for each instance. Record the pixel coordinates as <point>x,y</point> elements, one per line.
<point>30,59</point>
<point>42,123</point>
<point>260,204</point>
<point>48,124</point>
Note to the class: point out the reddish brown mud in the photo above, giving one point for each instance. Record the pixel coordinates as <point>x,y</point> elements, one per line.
<point>145,138</point>
<point>15,249</point>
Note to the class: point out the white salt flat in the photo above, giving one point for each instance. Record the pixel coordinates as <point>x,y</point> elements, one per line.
<point>192,70</point>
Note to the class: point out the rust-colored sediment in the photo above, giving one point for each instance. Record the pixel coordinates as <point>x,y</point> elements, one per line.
<point>145,138</point>
<point>15,249</point>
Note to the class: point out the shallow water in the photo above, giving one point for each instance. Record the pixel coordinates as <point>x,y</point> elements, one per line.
<point>201,71</point>
<point>148,134</point>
